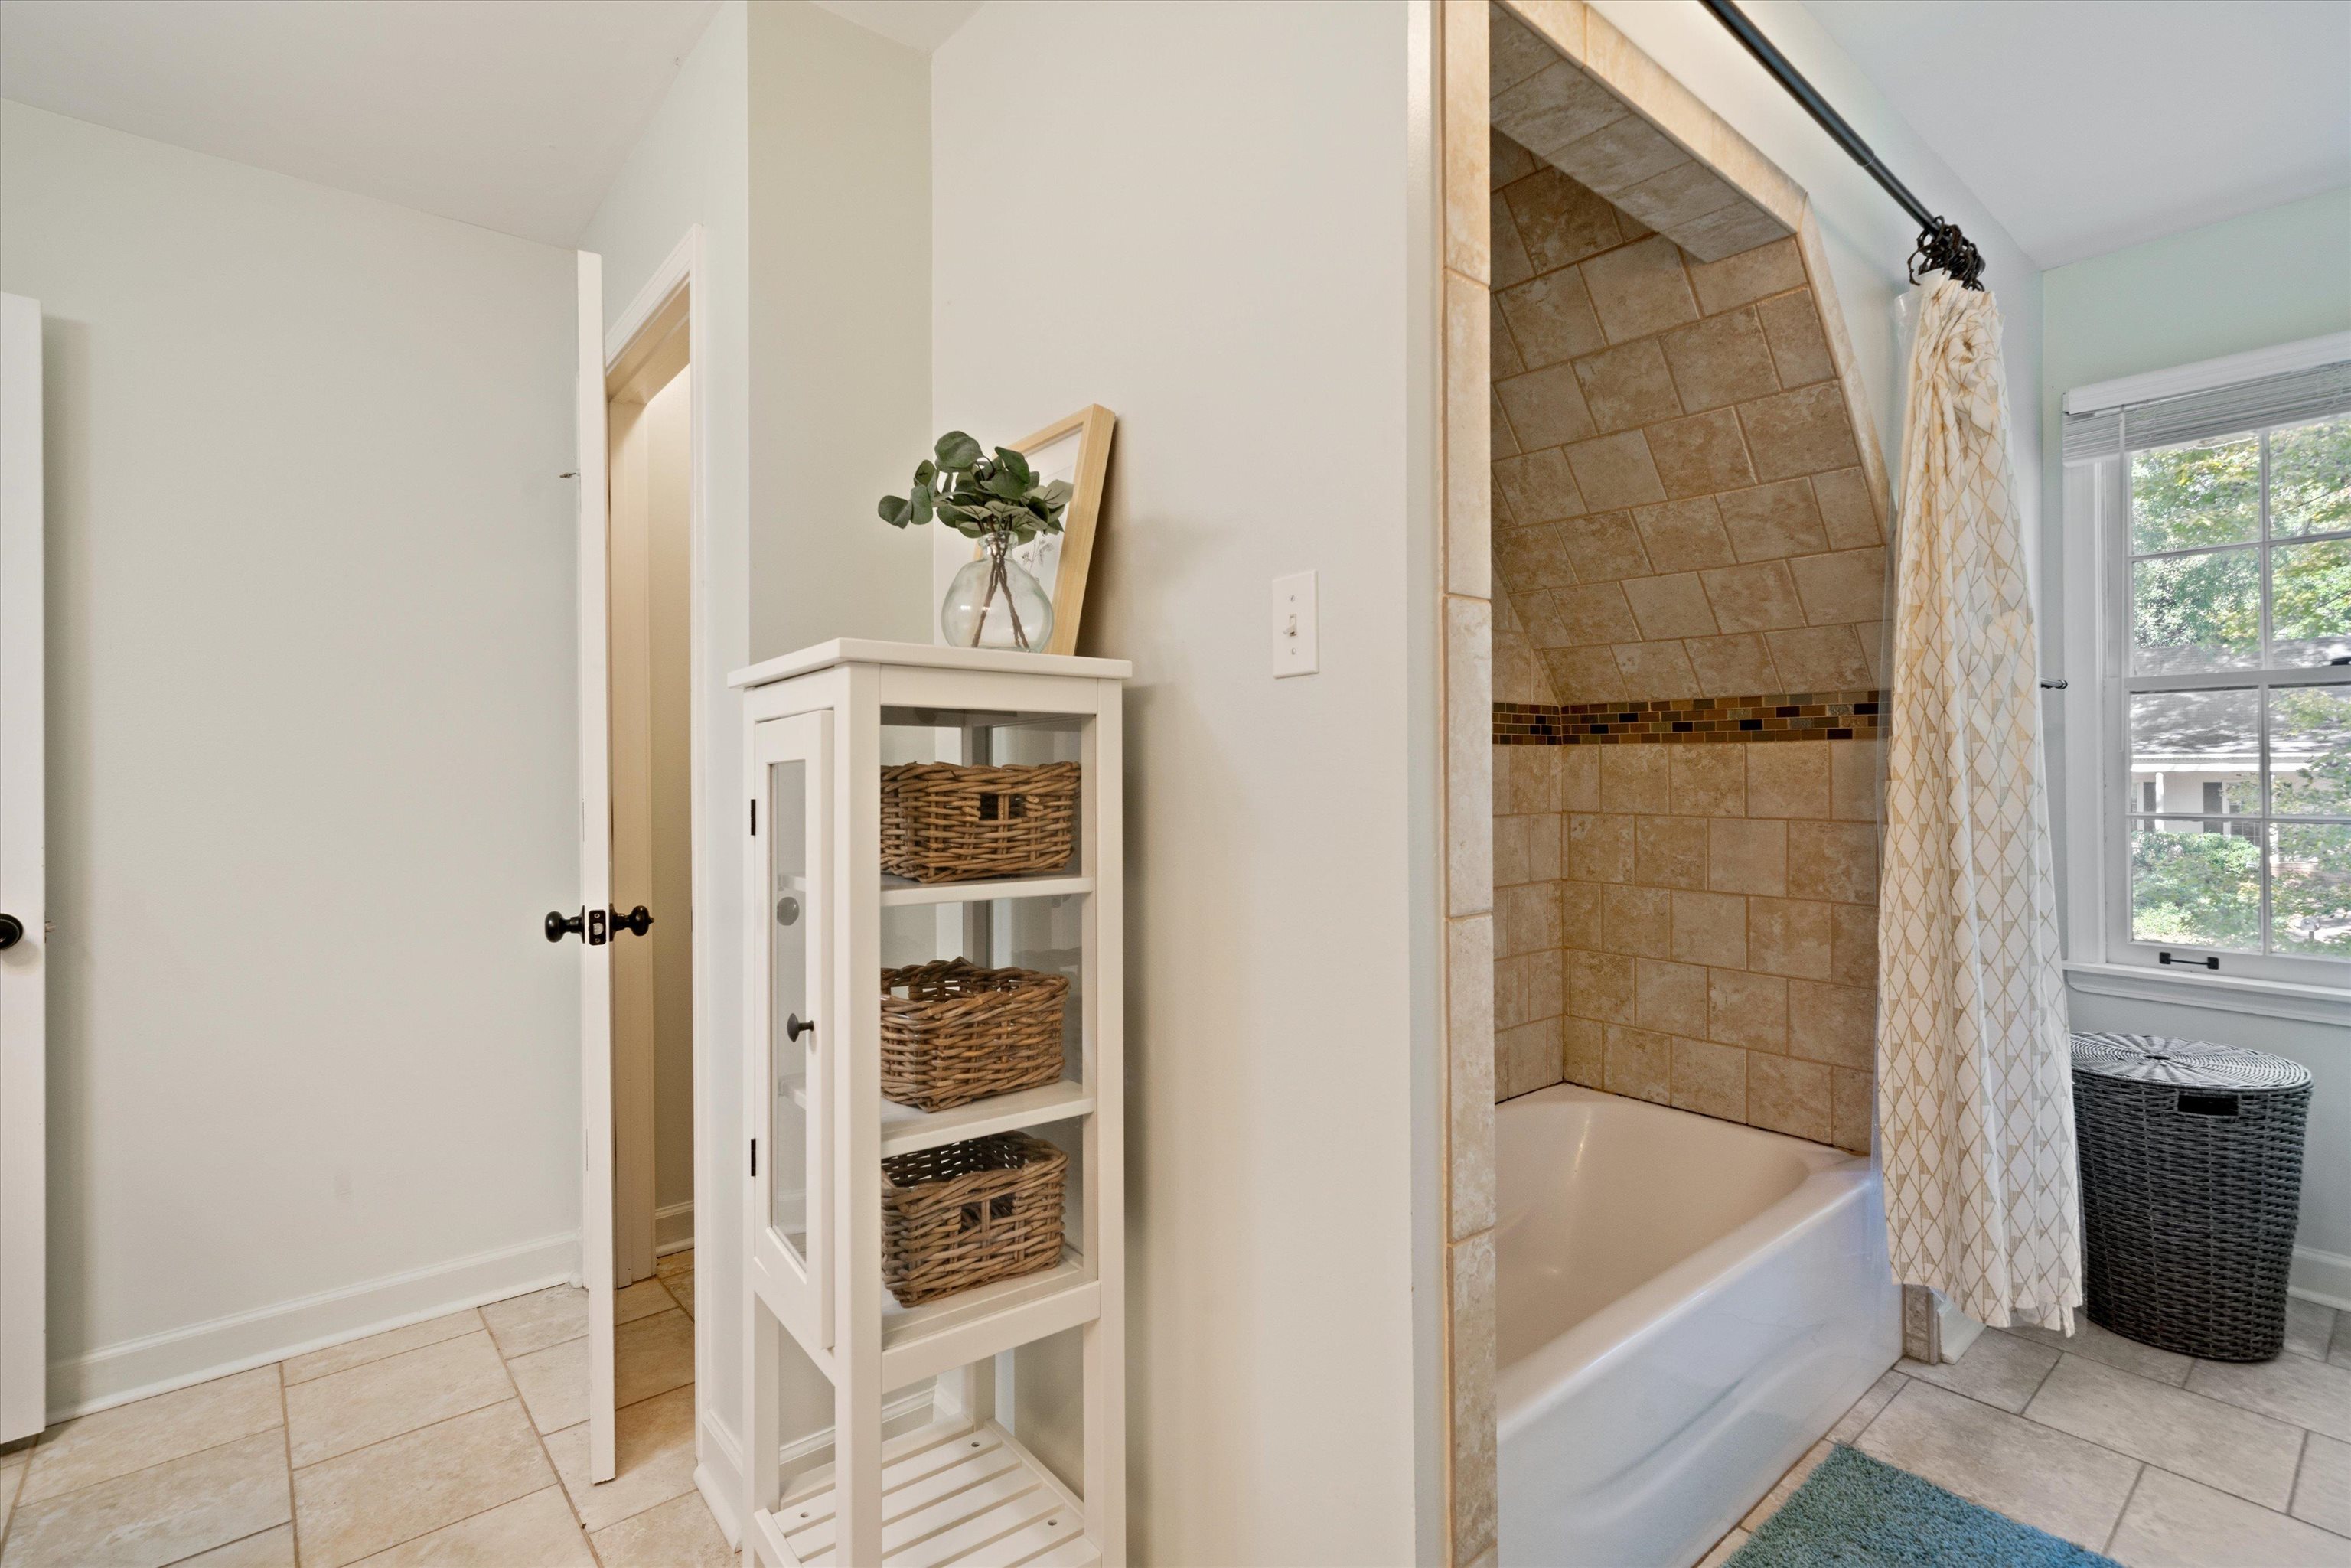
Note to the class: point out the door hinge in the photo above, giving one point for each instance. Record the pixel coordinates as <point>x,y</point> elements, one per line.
<point>754,1156</point>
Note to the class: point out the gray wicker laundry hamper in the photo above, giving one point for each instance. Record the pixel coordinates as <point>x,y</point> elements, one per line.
<point>2192,1181</point>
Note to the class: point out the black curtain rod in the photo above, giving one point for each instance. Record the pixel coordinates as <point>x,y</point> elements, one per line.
<point>1941,247</point>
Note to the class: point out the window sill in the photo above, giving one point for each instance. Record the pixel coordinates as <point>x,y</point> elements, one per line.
<point>2234,994</point>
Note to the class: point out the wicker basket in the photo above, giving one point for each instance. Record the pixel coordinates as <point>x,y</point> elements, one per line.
<point>944,822</point>
<point>967,1214</point>
<point>2191,1182</point>
<point>962,1033</point>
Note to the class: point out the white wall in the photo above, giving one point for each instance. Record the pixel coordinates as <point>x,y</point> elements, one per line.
<point>311,754</point>
<point>1204,224</point>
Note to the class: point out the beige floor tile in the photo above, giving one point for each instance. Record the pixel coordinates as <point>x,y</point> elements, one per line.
<point>347,1410</point>
<point>2036,1475</point>
<point>2172,1522</point>
<point>654,1442</point>
<point>377,1346</point>
<point>1996,1369</point>
<point>554,1383</point>
<point>161,1514</point>
<point>2220,1445</point>
<point>2293,1388</point>
<point>680,1533</point>
<point>548,1317</point>
<point>2338,1349</point>
<point>1724,1549</point>
<point>270,1549</point>
<point>2322,1492</point>
<point>11,1480</point>
<point>1855,1421</point>
<point>674,1263</point>
<point>377,1497</point>
<point>651,1355</point>
<point>1785,1488</point>
<point>681,1289</point>
<point>534,1531</point>
<point>2308,1328</point>
<point>149,1431</point>
<point>2105,1344</point>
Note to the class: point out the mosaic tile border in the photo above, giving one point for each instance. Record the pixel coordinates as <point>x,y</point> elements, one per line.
<point>1668,721</point>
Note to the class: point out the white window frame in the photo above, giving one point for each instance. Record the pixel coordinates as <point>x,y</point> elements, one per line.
<point>2095,722</point>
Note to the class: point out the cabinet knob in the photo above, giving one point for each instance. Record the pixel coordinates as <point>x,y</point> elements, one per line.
<point>795,1026</point>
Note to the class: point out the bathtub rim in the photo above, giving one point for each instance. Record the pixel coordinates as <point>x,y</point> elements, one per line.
<point>1528,1389</point>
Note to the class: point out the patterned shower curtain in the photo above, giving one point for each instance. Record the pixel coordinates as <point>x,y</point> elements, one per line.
<point>1974,1085</point>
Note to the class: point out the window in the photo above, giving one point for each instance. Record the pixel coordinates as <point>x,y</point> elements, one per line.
<point>2225,655</point>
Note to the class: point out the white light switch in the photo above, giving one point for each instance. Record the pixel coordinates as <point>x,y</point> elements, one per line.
<point>1295,649</point>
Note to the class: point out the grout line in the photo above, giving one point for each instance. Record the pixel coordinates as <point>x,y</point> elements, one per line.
<point>142,1470</point>
<point>2117,1528</point>
<point>2050,1372</point>
<point>285,1432</point>
<point>2294,1487</point>
<point>286,1525</point>
<point>13,1489</point>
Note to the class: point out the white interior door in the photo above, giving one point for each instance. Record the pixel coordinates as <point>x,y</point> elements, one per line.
<point>24,1268</point>
<point>595,874</point>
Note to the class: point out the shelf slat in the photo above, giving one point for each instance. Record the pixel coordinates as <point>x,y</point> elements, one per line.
<point>897,891</point>
<point>905,1129</point>
<point>970,1325</point>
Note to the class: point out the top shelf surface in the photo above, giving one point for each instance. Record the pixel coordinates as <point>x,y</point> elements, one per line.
<point>863,651</point>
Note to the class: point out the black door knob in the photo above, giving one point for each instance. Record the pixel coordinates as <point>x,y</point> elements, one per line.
<point>795,1026</point>
<point>636,922</point>
<point>12,931</point>
<point>559,926</point>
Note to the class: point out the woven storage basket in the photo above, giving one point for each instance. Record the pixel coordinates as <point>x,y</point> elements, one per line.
<point>944,822</point>
<point>2191,1180</point>
<point>962,1033</point>
<point>967,1214</point>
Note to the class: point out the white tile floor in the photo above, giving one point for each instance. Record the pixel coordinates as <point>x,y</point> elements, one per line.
<point>2158,1460</point>
<point>458,1441</point>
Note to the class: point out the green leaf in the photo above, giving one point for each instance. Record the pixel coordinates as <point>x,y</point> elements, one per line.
<point>894,510</point>
<point>957,450</point>
<point>1056,494</point>
<point>925,472</point>
<point>1010,461</point>
<point>919,507</point>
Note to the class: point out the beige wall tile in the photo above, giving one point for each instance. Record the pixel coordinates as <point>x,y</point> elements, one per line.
<point>1788,1096</point>
<point>1772,521</point>
<point>1513,53</point>
<point>1741,279</point>
<point>1600,985</point>
<point>1670,852</point>
<point>1469,1090</point>
<point>1507,261</point>
<point>1873,649</point>
<point>1737,665</point>
<point>1526,919</point>
<point>1802,432</point>
<point>1546,990</point>
<point>1701,454</point>
<point>1637,920</point>
<point>1511,992</point>
<point>1526,779</point>
<point>1710,928</point>
<point>1835,1024</point>
<point>1619,154</point>
<point>1852,944</point>
<point>1800,351</point>
<point>1753,598</point>
<point>1680,195</point>
<point>171,1510</point>
<point>1592,613</point>
<point>1640,1065</point>
<point>1640,290</point>
<point>1633,779</point>
<point>1580,913</point>
<point>1709,780</point>
<point>1551,322</point>
<point>1616,471</point>
<point>1746,1010</point>
<point>1519,673</point>
<point>1819,659</point>
<point>1469,756</point>
<point>1682,536</point>
<point>1585,1058</point>
<point>1852,1105</point>
<point>1471,1357</point>
<point>1510,851</point>
<point>1599,848</point>
<point>1789,936</point>
<point>1855,769</point>
<point>1628,385</point>
<point>89,1449</point>
<point>1741,227</point>
<point>1709,1079</point>
<point>1539,487</point>
<point>1560,222</point>
<point>1747,856</point>
<point>1836,860</point>
<point>1556,105</point>
<point>1533,1056</point>
<point>1579,776</point>
<point>1534,556</point>
<point>1506,160</point>
<point>1656,670</point>
<point>1469,442</point>
<point>1846,510</point>
<point>1670,606</point>
<point>364,1502</point>
<point>1788,779</point>
<point>1503,359</point>
<point>1467,140</point>
<point>1670,998</point>
<point>1605,546</point>
<point>1720,360</point>
<point>1583,674</point>
<point>1842,587</point>
<point>1546,405</point>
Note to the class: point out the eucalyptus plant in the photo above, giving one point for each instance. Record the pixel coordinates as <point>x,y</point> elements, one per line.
<point>996,500</point>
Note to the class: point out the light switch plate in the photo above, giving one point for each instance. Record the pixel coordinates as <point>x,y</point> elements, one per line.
<point>1296,645</point>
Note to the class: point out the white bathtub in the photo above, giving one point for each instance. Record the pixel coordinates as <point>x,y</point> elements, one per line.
<point>1686,1306</point>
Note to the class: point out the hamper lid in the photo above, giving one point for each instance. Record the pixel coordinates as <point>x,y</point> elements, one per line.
<point>2190,1063</point>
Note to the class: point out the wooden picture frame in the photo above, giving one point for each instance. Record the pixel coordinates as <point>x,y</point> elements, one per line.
<point>1077,449</point>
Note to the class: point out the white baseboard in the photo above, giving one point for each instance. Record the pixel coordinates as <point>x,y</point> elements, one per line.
<point>718,1477</point>
<point>672,1228</point>
<point>157,1364</point>
<point>2322,1277</point>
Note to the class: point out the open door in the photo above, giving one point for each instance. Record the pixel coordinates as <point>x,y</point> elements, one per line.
<point>23,929</point>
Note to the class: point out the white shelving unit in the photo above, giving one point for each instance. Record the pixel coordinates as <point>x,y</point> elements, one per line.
<point>824,920</point>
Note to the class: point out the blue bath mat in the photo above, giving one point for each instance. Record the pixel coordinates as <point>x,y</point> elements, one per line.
<point>1854,1512</point>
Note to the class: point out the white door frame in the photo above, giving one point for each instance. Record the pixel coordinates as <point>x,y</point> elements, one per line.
<point>23,1263</point>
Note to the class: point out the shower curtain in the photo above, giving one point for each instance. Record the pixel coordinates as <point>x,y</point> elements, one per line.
<point>1974,1084</point>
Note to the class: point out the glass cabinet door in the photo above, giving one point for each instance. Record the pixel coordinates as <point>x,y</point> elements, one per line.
<point>793,1182</point>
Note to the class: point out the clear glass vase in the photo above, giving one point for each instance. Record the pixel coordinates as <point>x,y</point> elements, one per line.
<point>994,602</point>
